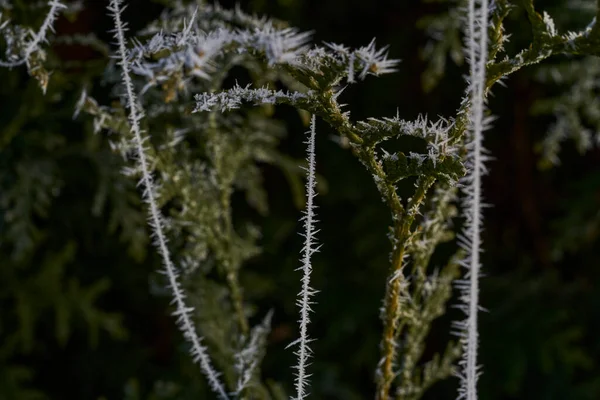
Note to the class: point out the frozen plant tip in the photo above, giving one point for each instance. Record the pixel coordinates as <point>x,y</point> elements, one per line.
<point>156,221</point>
<point>308,250</point>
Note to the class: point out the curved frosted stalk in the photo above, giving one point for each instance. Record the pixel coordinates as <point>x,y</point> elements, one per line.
<point>156,222</point>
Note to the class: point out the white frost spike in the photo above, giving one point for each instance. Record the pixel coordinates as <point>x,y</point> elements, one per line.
<point>477,50</point>
<point>308,250</point>
<point>187,28</point>
<point>549,22</point>
<point>156,221</point>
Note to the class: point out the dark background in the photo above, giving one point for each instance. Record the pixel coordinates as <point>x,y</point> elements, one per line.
<point>538,338</point>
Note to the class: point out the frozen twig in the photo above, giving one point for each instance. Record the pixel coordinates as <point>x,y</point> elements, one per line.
<point>477,50</point>
<point>308,250</point>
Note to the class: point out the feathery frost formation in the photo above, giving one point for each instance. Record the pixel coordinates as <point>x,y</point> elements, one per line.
<point>308,250</point>
<point>183,312</point>
<point>232,99</point>
<point>247,360</point>
<point>195,52</point>
<point>477,50</point>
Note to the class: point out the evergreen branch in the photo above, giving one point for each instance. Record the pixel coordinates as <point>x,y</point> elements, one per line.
<point>183,312</point>
<point>584,42</point>
<point>547,41</point>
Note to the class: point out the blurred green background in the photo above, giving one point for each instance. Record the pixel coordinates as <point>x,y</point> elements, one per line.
<point>81,314</point>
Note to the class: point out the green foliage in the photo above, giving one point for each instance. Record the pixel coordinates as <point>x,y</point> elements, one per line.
<point>38,288</point>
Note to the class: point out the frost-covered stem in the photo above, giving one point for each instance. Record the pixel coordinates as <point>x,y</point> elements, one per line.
<point>477,49</point>
<point>385,371</point>
<point>391,306</point>
<point>48,24</point>
<point>40,36</point>
<point>308,250</point>
<point>155,220</point>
